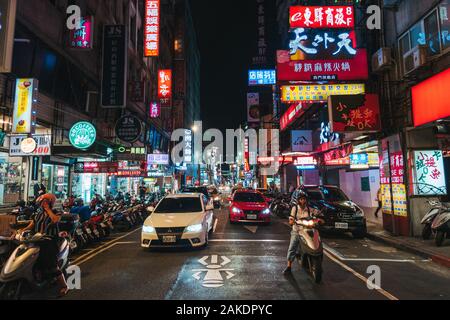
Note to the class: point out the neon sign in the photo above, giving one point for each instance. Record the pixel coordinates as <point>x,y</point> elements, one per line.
<point>322,17</point>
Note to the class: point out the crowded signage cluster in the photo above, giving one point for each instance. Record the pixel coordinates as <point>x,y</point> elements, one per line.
<point>319,93</point>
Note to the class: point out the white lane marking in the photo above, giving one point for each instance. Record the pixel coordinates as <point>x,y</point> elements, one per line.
<point>341,257</point>
<point>359,276</point>
<point>252,229</point>
<point>93,251</point>
<point>215,225</point>
<point>247,240</point>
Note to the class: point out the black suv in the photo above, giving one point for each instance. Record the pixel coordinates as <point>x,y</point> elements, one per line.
<point>341,214</point>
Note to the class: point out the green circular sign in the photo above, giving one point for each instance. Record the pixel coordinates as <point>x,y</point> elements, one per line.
<point>82,135</point>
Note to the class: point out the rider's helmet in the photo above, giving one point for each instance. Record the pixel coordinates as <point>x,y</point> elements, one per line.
<point>47,197</point>
<point>78,202</point>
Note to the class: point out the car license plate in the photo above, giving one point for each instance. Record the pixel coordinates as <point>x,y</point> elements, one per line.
<point>169,239</point>
<point>341,225</point>
<point>252,217</point>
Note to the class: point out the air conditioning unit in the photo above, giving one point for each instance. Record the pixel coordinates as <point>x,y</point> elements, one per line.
<point>415,59</point>
<point>381,60</point>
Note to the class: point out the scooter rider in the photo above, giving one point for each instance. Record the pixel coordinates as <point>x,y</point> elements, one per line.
<point>299,211</point>
<point>84,212</point>
<point>45,221</point>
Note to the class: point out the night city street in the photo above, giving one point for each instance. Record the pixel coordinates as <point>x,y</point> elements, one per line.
<point>220,158</point>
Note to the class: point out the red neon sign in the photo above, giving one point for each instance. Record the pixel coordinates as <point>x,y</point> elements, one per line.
<point>293,113</point>
<point>430,99</point>
<point>322,70</point>
<point>165,86</point>
<point>81,38</point>
<point>151,28</point>
<point>322,17</point>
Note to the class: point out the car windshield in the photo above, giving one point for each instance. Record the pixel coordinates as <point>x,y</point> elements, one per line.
<point>248,197</point>
<point>327,194</point>
<point>179,205</point>
<point>196,190</point>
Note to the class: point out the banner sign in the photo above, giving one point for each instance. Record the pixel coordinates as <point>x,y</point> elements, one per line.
<point>25,102</point>
<point>301,140</point>
<point>96,167</point>
<point>318,93</point>
<point>114,76</point>
<point>322,70</point>
<point>82,135</point>
<point>187,151</point>
<point>429,173</point>
<point>155,110</point>
<point>7,25</point>
<point>42,146</point>
<point>151,28</point>
<point>316,44</point>
<point>165,87</point>
<point>331,157</point>
<point>354,113</point>
<point>253,112</point>
<point>322,17</point>
<point>82,38</point>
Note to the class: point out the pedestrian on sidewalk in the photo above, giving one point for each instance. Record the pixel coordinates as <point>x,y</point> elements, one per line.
<point>380,203</point>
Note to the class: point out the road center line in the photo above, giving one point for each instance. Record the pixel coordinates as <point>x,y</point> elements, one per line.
<point>358,275</point>
<point>247,240</point>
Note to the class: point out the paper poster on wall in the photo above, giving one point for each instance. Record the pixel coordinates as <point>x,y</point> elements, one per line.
<point>429,174</point>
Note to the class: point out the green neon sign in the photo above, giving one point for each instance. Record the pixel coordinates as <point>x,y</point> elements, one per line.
<point>82,135</point>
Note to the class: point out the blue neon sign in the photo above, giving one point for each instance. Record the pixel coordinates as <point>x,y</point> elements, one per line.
<point>262,77</point>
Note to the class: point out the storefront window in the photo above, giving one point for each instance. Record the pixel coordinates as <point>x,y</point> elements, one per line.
<point>432,34</point>
<point>86,185</point>
<point>11,179</point>
<point>56,179</point>
<point>444,14</point>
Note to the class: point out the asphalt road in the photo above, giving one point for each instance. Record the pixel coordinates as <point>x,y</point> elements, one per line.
<point>252,258</point>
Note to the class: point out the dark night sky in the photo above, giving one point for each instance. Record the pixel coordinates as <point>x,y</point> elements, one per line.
<point>227,39</point>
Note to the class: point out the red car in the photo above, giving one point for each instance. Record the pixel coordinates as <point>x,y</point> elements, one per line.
<point>249,206</point>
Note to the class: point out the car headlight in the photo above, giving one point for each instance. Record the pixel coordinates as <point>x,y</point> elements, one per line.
<point>194,228</point>
<point>236,210</point>
<point>359,213</point>
<point>148,229</point>
<point>266,211</point>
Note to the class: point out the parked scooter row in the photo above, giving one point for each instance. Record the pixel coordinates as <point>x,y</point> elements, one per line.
<point>281,205</point>
<point>437,222</point>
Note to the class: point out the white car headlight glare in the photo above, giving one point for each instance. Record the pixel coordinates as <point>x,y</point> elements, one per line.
<point>194,228</point>
<point>148,229</point>
<point>266,211</point>
<point>236,210</point>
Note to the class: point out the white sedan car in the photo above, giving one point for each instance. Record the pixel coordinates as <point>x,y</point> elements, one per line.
<point>179,220</point>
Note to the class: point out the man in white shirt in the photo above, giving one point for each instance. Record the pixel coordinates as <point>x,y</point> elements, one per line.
<point>301,210</point>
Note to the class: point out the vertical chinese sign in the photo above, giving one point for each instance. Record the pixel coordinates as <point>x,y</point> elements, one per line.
<point>155,110</point>
<point>165,87</point>
<point>25,101</point>
<point>391,154</point>
<point>261,56</point>
<point>429,174</point>
<point>7,25</point>
<point>151,31</point>
<point>82,38</point>
<point>114,67</point>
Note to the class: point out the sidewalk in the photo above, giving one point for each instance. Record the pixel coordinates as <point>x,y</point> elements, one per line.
<point>426,249</point>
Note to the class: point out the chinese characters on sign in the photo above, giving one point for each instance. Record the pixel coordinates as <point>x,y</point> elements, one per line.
<point>25,101</point>
<point>316,93</point>
<point>429,174</point>
<point>330,44</point>
<point>158,158</point>
<point>151,28</point>
<point>165,87</point>
<point>322,17</point>
<point>262,77</point>
<point>81,38</point>
<point>43,145</point>
<point>350,113</point>
<point>114,67</point>
<point>261,57</point>
<point>187,152</point>
<point>322,70</point>
<point>155,110</point>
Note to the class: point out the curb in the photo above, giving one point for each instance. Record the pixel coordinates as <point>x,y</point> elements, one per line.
<point>436,258</point>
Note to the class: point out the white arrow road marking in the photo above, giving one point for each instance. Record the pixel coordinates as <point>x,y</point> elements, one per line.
<point>214,259</point>
<point>203,260</point>
<point>197,275</point>
<point>252,229</point>
<point>225,261</point>
<point>229,275</point>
